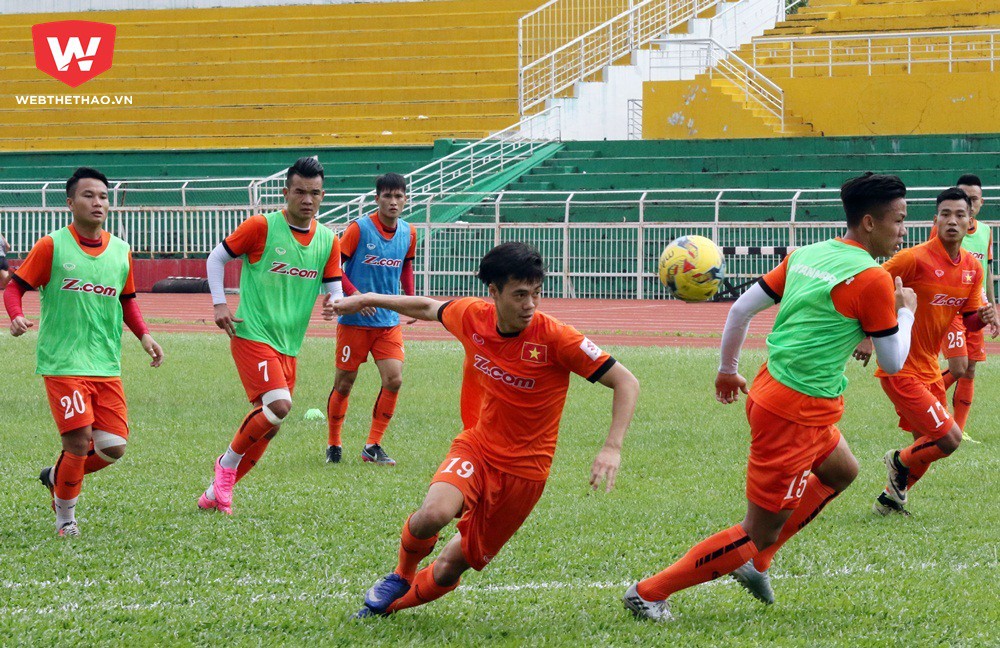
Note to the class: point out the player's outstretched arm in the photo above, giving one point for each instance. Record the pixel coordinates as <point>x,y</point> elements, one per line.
<point>626,394</point>
<point>422,308</point>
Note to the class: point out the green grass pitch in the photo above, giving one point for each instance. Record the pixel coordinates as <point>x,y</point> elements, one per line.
<point>308,538</point>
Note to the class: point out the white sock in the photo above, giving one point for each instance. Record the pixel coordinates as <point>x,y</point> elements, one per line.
<point>369,446</point>
<point>65,511</point>
<point>230,460</point>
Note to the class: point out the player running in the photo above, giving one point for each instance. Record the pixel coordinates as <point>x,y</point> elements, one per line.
<point>964,349</point>
<point>84,278</point>
<point>832,294</point>
<point>377,254</point>
<point>288,259</point>
<point>517,366</point>
<point>948,280</point>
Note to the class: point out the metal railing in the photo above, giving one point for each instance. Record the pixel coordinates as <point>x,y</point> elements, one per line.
<point>174,192</point>
<point>824,54</point>
<point>708,55</point>
<point>543,78</point>
<point>195,231</point>
<point>634,119</point>
<point>461,169</point>
<point>738,22</point>
<point>559,21</point>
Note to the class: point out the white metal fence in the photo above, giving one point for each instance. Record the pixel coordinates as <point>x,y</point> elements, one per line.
<point>698,55</point>
<point>577,59</point>
<point>815,55</point>
<point>461,169</point>
<point>559,21</point>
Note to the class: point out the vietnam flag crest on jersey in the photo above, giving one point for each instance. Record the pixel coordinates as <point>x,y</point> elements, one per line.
<point>537,353</point>
<point>968,276</point>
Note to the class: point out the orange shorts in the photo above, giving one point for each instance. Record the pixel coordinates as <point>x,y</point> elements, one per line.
<point>354,343</point>
<point>782,455</point>
<point>958,342</point>
<point>496,503</point>
<point>922,407</point>
<point>262,368</point>
<point>79,401</point>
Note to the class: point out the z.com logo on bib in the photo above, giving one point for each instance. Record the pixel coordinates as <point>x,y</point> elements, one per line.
<point>73,51</point>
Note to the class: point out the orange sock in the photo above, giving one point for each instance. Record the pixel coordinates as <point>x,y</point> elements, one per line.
<point>412,550</point>
<point>424,590</point>
<point>919,457</point>
<point>336,410</point>
<point>69,475</point>
<point>962,402</point>
<point>252,430</point>
<point>949,379</point>
<point>817,496</point>
<point>94,463</point>
<point>712,557</point>
<point>385,406</point>
<point>251,457</point>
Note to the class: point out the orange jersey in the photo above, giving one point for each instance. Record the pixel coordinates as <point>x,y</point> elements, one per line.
<point>352,236</point>
<point>250,237</point>
<point>514,387</point>
<point>944,287</point>
<point>37,268</point>
<point>868,297</point>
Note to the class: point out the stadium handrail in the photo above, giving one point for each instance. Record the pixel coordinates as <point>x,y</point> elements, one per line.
<point>588,53</point>
<point>196,230</point>
<point>718,59</point>
<point>877,48</point>
<point>556,21</point>
<point>461,169</point>
<point>10,189</point>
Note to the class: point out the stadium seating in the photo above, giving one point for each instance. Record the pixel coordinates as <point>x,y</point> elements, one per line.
<point>939,98</point>
<point>287,76</point>
<point>747,164</point>
<point>349,170</point>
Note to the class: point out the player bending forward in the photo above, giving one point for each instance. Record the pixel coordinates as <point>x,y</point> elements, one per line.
<point>832,294</point>
<point>517,366</point>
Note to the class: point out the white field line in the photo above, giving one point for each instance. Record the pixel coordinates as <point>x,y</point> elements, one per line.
<point>472,589</point>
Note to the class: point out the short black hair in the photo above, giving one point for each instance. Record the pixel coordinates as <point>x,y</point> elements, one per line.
<point>305,167</point>
<point>389,182</point>
<point>969,180</point>
<point>953,193</point>
<point>80,174</point>
<point>863,194</point>
<point>512,260</point>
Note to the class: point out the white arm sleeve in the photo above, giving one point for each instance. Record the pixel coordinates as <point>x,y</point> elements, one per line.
<point>893,349</point>
<point>749,304</point>
<point>216,266</point>
<point>334,288</point>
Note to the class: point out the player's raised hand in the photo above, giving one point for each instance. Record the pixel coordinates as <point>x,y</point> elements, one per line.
<point>605,468</point>
<point>19,326</point>
<point>905,297</point>
<point>988,313</point>
<point>225,320</point>
<point>729,386</point>
<point>864,350</point>
<point>150,346</point>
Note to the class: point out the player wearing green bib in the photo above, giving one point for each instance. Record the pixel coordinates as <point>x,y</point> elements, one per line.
<point>84,277</point>
<point>832,294</point>
<point>963,348</point>
<point>288,260</point>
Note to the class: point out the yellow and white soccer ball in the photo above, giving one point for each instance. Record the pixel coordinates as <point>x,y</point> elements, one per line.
<point>691,268</point>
